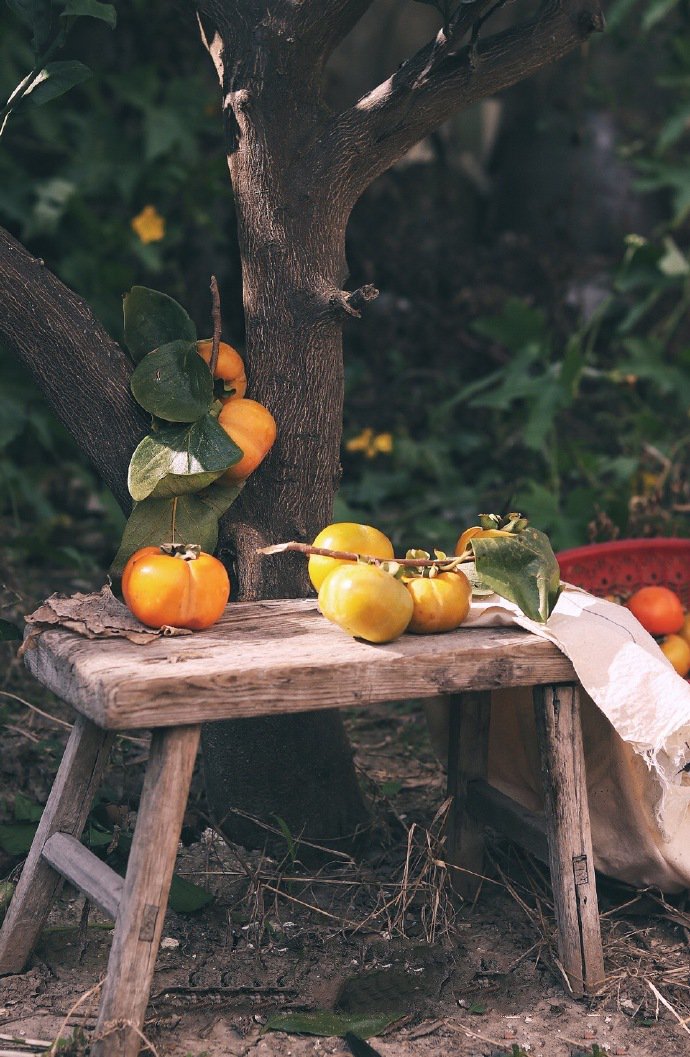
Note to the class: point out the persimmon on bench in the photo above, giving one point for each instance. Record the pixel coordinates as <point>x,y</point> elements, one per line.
<point>271,658</point>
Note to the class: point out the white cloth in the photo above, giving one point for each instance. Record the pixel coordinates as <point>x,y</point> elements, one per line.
<point>636,733</point>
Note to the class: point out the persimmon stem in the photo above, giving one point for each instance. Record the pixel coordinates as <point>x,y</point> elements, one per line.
<point>172,522</point>
<point>352,556</point>
<point>215,315</point>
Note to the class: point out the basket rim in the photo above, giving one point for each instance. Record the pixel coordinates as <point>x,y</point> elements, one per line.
<point>613,547</point>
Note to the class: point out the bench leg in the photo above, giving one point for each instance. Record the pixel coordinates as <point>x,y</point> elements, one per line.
<point>559,733</point>
<point>468,752</point>
<point>69,803</point>
<point>145,894</point>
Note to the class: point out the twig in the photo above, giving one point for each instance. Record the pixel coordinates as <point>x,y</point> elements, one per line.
<point>29,735</point>
<point>55,1045</point>
<point>40,712</point>
<point>459,1026</point>
<point>215,314</point>
<point>244,989</point>
<point>40,1044</point>
<point>660,998</point>
<point>343,922</point>
<point>351,556</point>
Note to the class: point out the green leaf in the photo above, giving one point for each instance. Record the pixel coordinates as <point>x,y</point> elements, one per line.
<point>187,898</point>
<point>674,262</point>
<point>656,11</point>
<point>16,838</point>
<point>173,383</point>
<point>54,80</point>
<point>324,1022</point>
<point>91,9</point>
<point>517,325</point>
<point>9,632</point>
<point>196,521</point>
<point>38,15</point>
<point>522,568</point>
<point>153,319</point>
<point>26,810</point>
<point>96,836</point>
<point>176,460</point>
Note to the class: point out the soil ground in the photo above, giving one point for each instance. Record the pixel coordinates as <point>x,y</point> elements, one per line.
<point>383,935</point>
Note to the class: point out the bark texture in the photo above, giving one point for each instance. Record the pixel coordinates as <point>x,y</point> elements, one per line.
<point>82,372</point>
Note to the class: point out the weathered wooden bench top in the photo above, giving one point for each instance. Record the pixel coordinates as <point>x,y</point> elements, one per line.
<point>275,657</point>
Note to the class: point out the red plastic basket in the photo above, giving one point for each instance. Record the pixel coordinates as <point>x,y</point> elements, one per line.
<point>621,566</point>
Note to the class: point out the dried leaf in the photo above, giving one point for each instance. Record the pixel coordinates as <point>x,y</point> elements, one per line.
<point>99,615</point>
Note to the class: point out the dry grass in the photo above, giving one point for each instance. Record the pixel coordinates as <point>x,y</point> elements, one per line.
<point>646,937</point>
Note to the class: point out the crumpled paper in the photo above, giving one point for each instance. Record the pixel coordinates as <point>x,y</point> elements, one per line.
<point>99,615</point>
<point>647,705</point>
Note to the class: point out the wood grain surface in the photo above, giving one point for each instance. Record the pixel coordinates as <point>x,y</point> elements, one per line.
<point>277,657</point>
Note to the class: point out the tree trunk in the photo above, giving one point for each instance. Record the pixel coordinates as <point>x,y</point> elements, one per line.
<point>83,374</point>
<point>292,246</point>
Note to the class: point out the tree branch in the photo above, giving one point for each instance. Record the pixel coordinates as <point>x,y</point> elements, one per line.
<point>438,81</point>
<point>82,372</point>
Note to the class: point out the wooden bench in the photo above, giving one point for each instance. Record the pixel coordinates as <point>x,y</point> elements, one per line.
<point>270,658</point>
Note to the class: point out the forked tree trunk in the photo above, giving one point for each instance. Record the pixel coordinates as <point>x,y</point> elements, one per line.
<point>297,171</point>
<point>292,237</point>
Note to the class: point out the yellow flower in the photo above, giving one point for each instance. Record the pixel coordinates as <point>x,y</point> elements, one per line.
<point>149,225</point>
<point>370,443</point>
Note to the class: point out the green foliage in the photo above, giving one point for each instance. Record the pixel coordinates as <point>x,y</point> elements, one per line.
<point>192,518</point>
<point>174,383</point>
<point>50,22</point>
<point>522,568</point>
<point>152,319</point>
<point>176,460</point>
<point>559,430</point>
<point>173,471</point>
<point>73,177</point>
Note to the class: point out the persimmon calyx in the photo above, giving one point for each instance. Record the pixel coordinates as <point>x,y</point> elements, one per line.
<point>512,522</point>
<point>188,552</point>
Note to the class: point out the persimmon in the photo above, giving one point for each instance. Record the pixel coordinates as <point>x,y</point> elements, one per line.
<point>346,536</point>
<point>684,630</point>
<point>229,368</point>
<point>677,651</point>
<point>441,603</point>
<point>658,609</point>
<point>253,429</point>
<point>176,585</point>
<point>366,601</point>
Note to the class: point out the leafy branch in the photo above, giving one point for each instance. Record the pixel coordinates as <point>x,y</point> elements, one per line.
<point>50,29</point>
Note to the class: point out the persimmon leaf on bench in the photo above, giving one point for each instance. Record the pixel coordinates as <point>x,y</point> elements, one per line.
<point>522,568</point>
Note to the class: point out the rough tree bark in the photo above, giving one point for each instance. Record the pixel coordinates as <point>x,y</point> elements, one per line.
<point>82,372</point>
<point>297,170</point>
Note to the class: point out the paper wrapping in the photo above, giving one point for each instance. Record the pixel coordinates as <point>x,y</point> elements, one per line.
<point>636,734</point>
